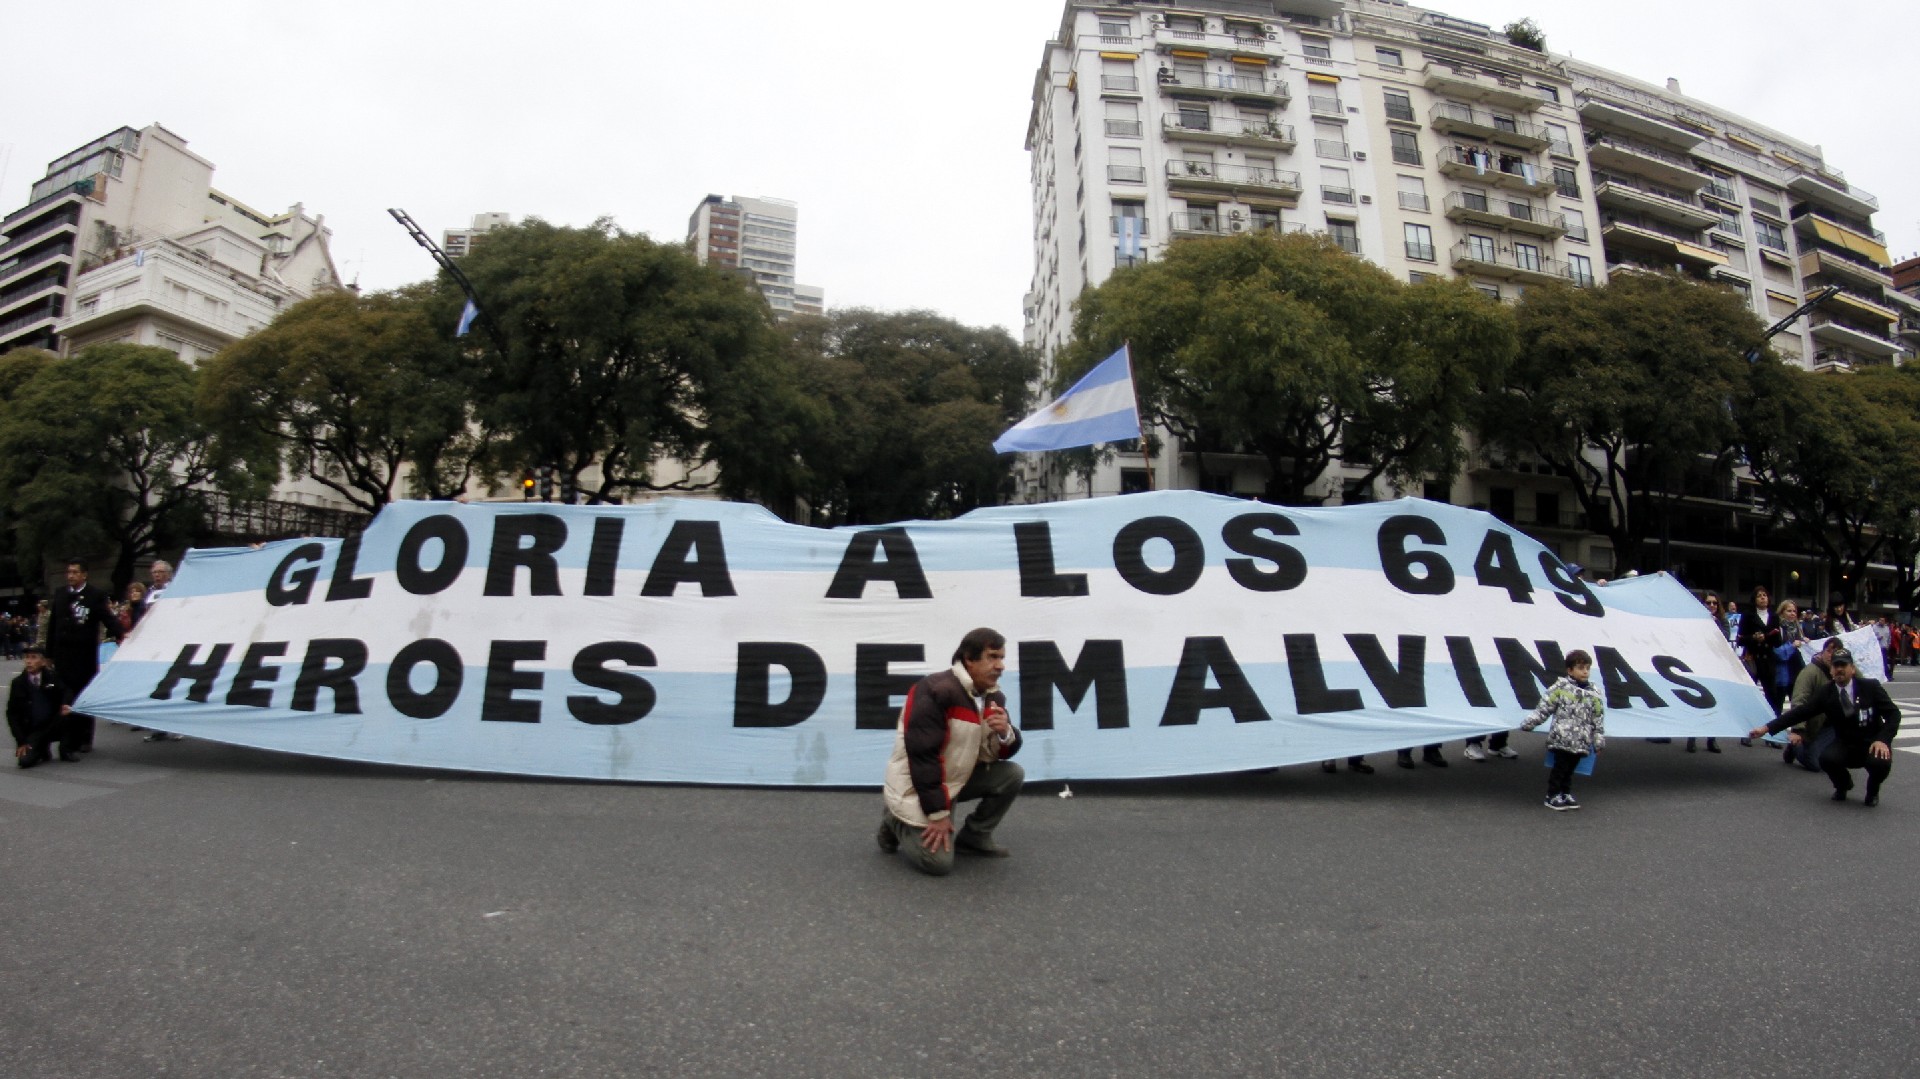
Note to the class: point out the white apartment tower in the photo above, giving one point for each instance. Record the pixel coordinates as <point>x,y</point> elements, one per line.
<point>1428,145</point>
<point>126,239</point>
<point>760,238</point>
<point>457,242</point>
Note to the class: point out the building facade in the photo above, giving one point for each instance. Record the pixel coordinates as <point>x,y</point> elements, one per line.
<point>457,242</point>
<point>760,239</point>
<point>126,239</point>
<point>1427,145</point>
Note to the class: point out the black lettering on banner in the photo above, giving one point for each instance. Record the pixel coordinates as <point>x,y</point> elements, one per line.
<point>289,586</point>
<point>1033,543</point>
<point>449,674</point>
<point>753,681</point>
<point>201,674</point>
<point>1242,535</point>
<point>417,579</point>
<point>1623,684</point>
<point>875,685</point>
<point>504,677</point>
<point>1466,668</point>
<point>331,663</point>
<point>1200,657</point>
<point>344,584</point>
<point>634,695</point>
<point>1436,577</point>
<point>247,691</point>
<point>1310,692</point>
<point>693,553</point>
<point>1583,600</point>
<point>1497,566</point>
<point>1402,685</point>
<point>901,566</point>
<point>529,541</point>
<point>1527,675</point>
<point>1687,690</point>
<point>1102,667</point>
<point>1189,556</point>
<point>603,558</point>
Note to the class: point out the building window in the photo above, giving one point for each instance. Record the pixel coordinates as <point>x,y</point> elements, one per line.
<point>1413,194</point>
<point>1769,235</point>
<point>1399,106</point>
<point>1115,32</point>
<point>1415,277</point>
<point>1330,141</point>
<point>1566,181</point>
<point>1336,185</point>
<point>1480,248</point>
<point>1546,507</point>
<point>1491,292</point>
<point>1576,223</point>
<point>1123,120</point>
<point>1123,165</point>
<point>1527,257</point>
<point>1729,221</point>
<point>1406,147</point>
<point>1558,140</point>
<point>1388,58</point>
<point>1265,219</point>
<point>1316,48</point>
<point>1195,117</point>
<point>1419,242</point>
<point>1547,93</point>
<point>1346,234</point>
<point>1580,270</point>
<point>1118,76</point>
<point>1437,491</point>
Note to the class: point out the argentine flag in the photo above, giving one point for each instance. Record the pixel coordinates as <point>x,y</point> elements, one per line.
<point>466,319</point>
<point>1098,408</point>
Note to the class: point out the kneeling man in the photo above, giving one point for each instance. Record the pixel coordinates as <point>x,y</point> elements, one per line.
<point>1863,720</point>
<point>952,746</point>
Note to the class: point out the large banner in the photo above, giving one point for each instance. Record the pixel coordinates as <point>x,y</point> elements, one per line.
<point>1158,634</point>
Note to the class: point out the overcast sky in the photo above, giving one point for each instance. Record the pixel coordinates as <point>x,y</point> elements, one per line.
<point>897,126</point>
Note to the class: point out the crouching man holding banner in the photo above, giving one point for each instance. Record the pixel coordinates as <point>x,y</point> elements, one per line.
<point>952,746</point>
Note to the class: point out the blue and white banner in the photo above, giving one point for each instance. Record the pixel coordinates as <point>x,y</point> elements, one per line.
<point>1158,634</point>
<point>1101,407</point>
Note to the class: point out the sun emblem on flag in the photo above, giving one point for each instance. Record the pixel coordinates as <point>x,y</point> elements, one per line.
<point>1059,410</point>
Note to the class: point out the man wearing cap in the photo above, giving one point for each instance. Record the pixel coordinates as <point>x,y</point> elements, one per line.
<point>1863,721</point>
<point>37,713</point>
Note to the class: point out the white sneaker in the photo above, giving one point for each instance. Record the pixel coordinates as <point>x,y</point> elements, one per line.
<point>1508,753</point>
<point>1474,752</point>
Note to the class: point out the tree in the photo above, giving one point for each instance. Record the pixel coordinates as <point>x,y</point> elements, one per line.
<point>104,451</point>
<point>1839,456</point>
<point>1527,34</point>
<point>347,390</point>
<point>907,406</point>
<point>621,351</point>
<point>1289,348</point>
<point>1626,391</point>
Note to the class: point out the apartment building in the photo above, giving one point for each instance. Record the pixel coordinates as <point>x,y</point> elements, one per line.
<point>457,242</point>
<point>126,239</point>
<point>759,238</point>
<point>1428,145</point>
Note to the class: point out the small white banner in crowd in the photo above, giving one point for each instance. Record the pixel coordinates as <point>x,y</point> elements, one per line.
<point>1169,633</point>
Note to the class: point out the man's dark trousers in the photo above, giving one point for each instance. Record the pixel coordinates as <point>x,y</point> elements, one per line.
<point>995,784</point>
<point>1836,759</point>
<point>76,667</point>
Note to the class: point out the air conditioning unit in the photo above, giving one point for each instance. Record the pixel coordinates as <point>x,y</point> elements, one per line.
<point>1359,155</point>
<point>1366,200</point>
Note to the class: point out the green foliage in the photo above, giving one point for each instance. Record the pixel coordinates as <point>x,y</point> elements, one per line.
<point>1289,348</point>
<point>1626,390</point>
<point>621,351</point>
<point>902,410</point>
<point>347,389</point>
<point>1526,34</point>
<point>104,451</point>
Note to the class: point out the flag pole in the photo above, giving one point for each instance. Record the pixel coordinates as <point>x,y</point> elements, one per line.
<point>1146,451</point>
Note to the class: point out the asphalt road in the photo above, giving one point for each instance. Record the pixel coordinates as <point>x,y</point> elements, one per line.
<point>191,909</point>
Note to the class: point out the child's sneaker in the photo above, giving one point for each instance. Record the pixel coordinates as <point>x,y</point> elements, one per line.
<point>1568,801</point>
<point>1508,753</point>
<point>1473,752</point>
<point>1557,801</point>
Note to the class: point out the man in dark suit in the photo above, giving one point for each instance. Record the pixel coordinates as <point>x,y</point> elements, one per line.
<point>1863,720</point>
<point>76,617</point>
<point>37,713</point>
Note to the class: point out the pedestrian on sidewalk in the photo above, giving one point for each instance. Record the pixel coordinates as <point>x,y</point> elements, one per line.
<point>1577,712</point>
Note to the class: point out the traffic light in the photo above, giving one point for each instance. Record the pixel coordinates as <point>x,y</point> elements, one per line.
<point>526,486</point>
<point>569,489</point>
<point>545,485</point>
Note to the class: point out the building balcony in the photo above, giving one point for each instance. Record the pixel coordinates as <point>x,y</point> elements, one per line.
<point>1486,89</point>
<point>69,196</point>
<point>1870,245</point>
<point>1866,308</point>
<point>11,300</point>
<point>1619,193</point>
<point>142,298</point>
<point>1838,334</point>
<point>1227,129</point>
<point>1476,209</point>
<point>27,324</point>
<point>1616,153</point>
<point>1844,270</point>
<point>1197,223</point>
<point>26,235</point>
<point>1502,130</point>
<point>1200,175</point>
<point>21,265</point>
<point>1672,250</point>
<point>1219,84</point>
<point>1504,171</point>
<point>1833,192</point>
<point>1486,260</point>
<point>1595,112</point>
<point>1166,39</point>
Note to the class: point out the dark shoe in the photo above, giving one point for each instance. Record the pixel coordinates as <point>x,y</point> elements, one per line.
<point>1872,799</point>
<point>1404,762</point>
<point>88,748</point>
<point>979,847</point>
<point>1362,767</point>
<point>889,842</point>
<point>1691,748</point>
<point>1434,759</point>
<point>1787,756</point>
<point>1329,767</point>
<point>1711,748</point>
<point>1748,742</point>
<point>70,758</point>
<point>27,761</point>
<point>1839,795</point>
